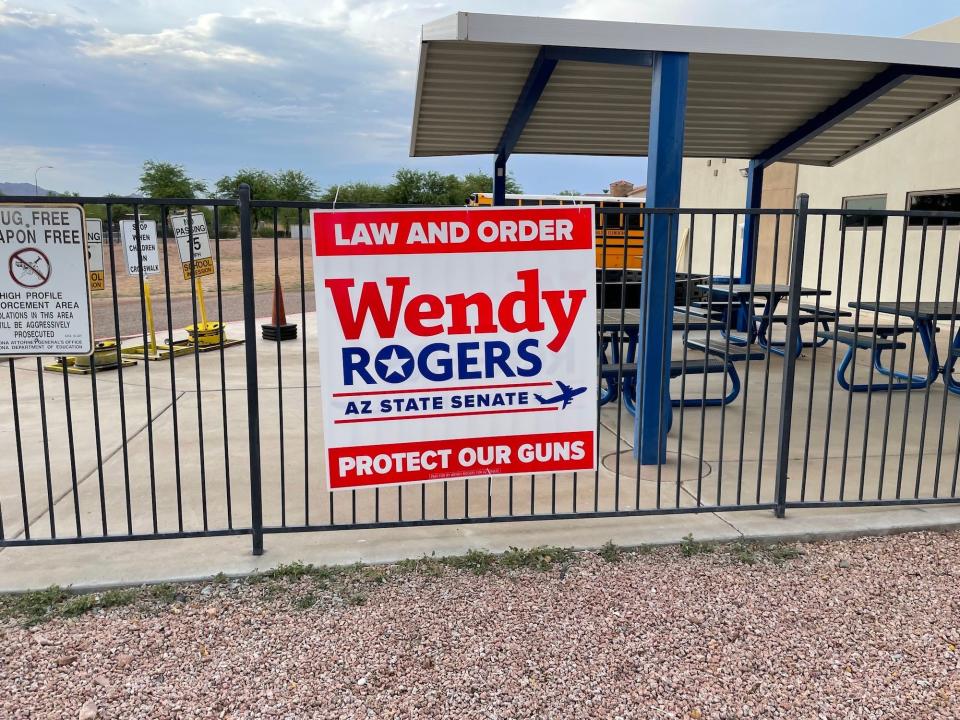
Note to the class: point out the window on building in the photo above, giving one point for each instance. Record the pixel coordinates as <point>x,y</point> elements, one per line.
<point>864,202</point>
<point>938,201</point>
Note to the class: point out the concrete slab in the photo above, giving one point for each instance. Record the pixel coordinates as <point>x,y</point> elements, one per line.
<point>89,566</point>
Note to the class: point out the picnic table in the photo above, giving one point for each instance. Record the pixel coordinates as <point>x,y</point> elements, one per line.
<point>923,317</point>
<point>616,328</point>
<point>739,297</point>
<point>611,323</point>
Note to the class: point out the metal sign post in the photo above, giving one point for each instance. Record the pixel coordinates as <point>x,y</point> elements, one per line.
<point>142,254</point>
<point>196,261</point>
<point>106,354</point>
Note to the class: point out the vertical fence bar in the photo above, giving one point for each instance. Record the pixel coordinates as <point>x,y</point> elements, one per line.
<point>813,360</point>
<point>932,354</point>
<point>277,285</point>
<point>46,449</point>
<point>148,395</point>
<point>177,474</point>
<point>118,339</point>
<point>253,392</point>
<point>223,371</point>
<point>71,448</point>
<point>196,314</point>
<point>19,440</point>
<point>306,404</point>
<point>790,356</point>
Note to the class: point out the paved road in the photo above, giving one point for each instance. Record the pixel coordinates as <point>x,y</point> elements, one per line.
<point>131,317</point>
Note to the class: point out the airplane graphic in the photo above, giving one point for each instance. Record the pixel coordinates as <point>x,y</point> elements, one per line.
<point>567,394</point>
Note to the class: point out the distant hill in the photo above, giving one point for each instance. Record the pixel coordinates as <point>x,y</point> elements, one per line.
<point>10,188</point>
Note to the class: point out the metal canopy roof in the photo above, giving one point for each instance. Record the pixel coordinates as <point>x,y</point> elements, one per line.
<point>801,97</point>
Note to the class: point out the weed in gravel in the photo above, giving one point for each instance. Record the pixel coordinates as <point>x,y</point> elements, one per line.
<point>32,607</point>
<point>781,553</point>
<point>356,599</point>
<point>539,558</point>
<point>305,602</point>
<point>426,565</point>
<point>372,574</point>
<point>117,598</point>
<point>479,562</point>
<point>164,592</point>
<point>744,553</point>
<point>611,553</point>
<point>77,605</point>
<point>220,579</point>
<point>293,571</point>
<point>690,547</point>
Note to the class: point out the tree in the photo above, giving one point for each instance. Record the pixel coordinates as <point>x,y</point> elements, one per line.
<point>117,211</point>
<point>483,182</point>
<point>356,192</point>
<point>569,192</point>
<point>418,187</point>
<point>168,180</point>
<point>263,186</point>
<point>294,185</point>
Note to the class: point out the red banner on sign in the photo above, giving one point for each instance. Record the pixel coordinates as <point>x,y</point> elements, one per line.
<point>463,230</point>
<point>407,462</point>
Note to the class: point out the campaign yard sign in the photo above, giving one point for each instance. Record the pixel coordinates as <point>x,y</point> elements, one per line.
<point>456,342</point>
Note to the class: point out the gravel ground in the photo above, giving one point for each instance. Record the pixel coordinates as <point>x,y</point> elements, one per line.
<point>856,629</point>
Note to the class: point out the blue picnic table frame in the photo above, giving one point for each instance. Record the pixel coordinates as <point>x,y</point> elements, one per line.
<point>758,330</point>
<point>924,316</point>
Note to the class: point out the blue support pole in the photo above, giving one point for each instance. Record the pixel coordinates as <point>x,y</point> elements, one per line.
<point>751,234</point>
<point>751,225</point>
<point>668,104</point>
<point>500,179</point>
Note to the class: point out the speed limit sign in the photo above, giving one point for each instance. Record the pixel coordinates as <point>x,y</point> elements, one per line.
<point>198,238</point>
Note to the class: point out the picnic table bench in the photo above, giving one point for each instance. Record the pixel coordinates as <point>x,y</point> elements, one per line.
<point>879,338</point>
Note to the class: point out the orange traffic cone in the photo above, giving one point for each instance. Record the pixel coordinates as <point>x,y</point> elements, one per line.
<point>278,329</point>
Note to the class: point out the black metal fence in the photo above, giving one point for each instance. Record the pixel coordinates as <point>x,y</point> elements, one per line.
<point>819,374</point>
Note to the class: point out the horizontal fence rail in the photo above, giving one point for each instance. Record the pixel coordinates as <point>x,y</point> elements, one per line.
<point>820,375</point>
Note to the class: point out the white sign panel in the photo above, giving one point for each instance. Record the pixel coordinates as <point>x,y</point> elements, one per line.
<point>44,296</point>
<point>202,259</point>
<point>95,254</point>
<point>149,256</point>
<point>456,342</point>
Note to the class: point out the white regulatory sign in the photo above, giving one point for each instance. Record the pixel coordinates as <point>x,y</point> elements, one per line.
<point>202,260</point>
<point>44,292</point>
<point>95,253</point>
<point>149,253</point>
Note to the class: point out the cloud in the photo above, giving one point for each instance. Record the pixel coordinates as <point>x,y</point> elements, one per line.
<point>71,168</point>
<point>23,18</point>
<point>195,42</point>
<point>96,87</point>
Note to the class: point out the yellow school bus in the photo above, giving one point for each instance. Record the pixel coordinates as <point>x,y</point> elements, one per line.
<point>610,228</point>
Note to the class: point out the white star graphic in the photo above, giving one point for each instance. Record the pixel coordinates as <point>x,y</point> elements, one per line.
<point>394,364</point>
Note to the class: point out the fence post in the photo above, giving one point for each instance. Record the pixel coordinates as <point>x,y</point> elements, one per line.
<point>253,391</point>
<point>790,355</point>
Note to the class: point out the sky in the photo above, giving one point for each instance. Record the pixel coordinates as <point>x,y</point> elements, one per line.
<point>95,87</point>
